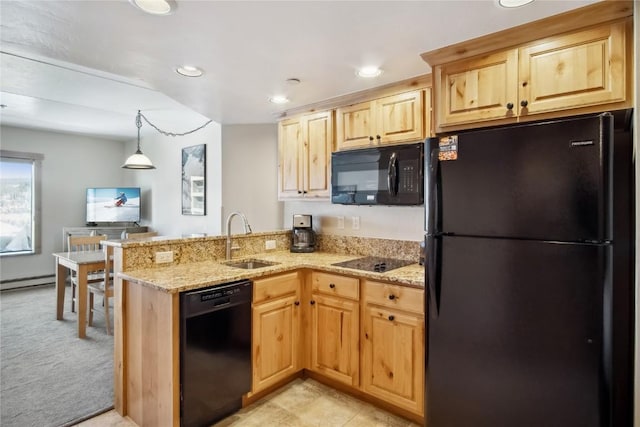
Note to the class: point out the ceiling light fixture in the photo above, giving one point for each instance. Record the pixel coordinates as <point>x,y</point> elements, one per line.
<point>279,99</point>
<point>369,72</point>
<point>155,7</point>
<point>513,3</point>
<point>139,160</point>
<point>189,71</point>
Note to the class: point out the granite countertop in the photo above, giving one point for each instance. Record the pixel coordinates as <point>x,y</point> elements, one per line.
<point>195,275</point>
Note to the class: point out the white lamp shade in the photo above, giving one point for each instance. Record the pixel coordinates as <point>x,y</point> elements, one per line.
<point>138,161</point>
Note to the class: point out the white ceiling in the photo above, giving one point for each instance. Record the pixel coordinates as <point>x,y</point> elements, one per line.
<point>88,66</point>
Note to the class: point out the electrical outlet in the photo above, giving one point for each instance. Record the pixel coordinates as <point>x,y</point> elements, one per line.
<point>340,223</point>
<point>162,257</point>
<point>270,244</point>
<point>355,222</point>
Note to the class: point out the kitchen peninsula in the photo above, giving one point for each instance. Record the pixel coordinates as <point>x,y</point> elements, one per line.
<point>307,298</point>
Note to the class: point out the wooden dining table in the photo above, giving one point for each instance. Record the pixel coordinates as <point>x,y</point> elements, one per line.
<point>82,262</point>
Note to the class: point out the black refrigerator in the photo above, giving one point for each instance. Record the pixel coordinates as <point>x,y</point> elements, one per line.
<point>529,247</point>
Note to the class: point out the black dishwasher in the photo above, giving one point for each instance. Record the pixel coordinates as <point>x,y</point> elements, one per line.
<point>215,352</point>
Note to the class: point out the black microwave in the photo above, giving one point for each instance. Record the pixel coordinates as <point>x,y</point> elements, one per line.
<point>385,175</point>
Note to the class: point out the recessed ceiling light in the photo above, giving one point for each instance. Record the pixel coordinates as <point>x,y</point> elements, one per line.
<point>189,71</point>
<point>279,99</point>
<point>513,3</point>
<point>368,72</point>
<point>155,7</point>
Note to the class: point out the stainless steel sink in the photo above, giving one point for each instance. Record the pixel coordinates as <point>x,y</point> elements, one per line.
<point>250,264</point>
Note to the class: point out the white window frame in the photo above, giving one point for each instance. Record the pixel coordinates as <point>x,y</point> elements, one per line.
<point>36,200</point>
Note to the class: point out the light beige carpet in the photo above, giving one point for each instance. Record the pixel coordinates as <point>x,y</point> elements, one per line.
<point>48,376</point>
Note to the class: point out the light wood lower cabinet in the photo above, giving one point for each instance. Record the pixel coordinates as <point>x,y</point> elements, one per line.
<point>335,327</point>
<point>375,348</point>
<point>276,345</point>
<point>393,345</point>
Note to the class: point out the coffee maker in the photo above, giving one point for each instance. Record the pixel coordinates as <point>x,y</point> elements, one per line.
<point>303,238</point>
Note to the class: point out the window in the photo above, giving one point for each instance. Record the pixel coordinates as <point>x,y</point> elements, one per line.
<point>19,203</point>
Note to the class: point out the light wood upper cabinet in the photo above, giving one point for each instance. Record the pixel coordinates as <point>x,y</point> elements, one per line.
<point>387,120</point>
<point>304,155</point>
<point>585,71</point>
<point>478,89</point>
<point>400,118</point>
<point>393,345</point>
<point>290,158</point>
<point>276,349</point>
<point>574,70</point>
<point>355,126</point>
<point>334,313</point>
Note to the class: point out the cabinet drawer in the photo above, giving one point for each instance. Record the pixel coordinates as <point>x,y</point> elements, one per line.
<point>275,287</point>
<point>400,297</point>
<point>333,284</point>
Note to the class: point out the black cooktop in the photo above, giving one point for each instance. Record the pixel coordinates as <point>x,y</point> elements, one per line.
<point>375,264</point>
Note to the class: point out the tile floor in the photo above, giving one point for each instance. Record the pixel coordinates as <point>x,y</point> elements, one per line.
<point>301,403</point>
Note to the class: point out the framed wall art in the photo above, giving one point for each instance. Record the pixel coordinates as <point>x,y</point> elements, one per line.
<point>194,182</point>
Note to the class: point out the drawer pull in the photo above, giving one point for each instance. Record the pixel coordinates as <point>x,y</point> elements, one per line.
<point>312,302</point>
<point>392,317</point>
<point>392,297</point>
<point>297,303</point>
<point>332,285</point>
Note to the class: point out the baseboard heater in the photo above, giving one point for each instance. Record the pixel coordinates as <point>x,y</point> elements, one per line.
<point>26,282</point>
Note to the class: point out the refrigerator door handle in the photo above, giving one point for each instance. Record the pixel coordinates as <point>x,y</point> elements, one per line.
<point>432,276</point>
<point>392,175</point>
<point>432,190</point>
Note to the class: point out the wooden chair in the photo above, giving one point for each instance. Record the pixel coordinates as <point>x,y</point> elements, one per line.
<point>103,288</point>
<point>84,243</point>
<point>141,235</point>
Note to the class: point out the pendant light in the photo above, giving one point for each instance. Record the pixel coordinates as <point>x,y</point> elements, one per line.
<point>138,160</point>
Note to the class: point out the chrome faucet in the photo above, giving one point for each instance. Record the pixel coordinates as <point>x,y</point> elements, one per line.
<point>247,230</point>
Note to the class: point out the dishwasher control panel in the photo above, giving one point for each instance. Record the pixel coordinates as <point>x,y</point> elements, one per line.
<point>220,293</point>
<point>215,298</point>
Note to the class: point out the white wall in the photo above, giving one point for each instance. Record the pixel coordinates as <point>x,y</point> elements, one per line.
<point>250,185</point>
<point>250,176</point>
<point>71,164</point>
<point>384,222</point>
<point>162,187</point>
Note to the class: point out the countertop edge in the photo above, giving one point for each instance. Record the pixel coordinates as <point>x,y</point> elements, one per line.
<point>163,279</point>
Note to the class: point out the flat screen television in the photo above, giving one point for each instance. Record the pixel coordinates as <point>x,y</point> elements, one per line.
<point>113,204</point>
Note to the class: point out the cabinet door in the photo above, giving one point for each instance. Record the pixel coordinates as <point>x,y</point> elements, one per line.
<point>355,126</point>
<point>318,143</point>
<point>399,118</point>
<point>393,357</point>
<point>575,70</point>
<point>290,159</point>
<point>334,338</point>
<point>276,326</point>
<point>477,89</point>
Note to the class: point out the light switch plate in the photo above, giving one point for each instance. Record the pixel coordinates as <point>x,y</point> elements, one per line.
<point>270,244</point>
<point>163,257</point>
<point>340,223</point>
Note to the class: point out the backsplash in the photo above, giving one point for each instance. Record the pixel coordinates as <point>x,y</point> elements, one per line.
<point>351,245</point>
<point>141,254</point>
